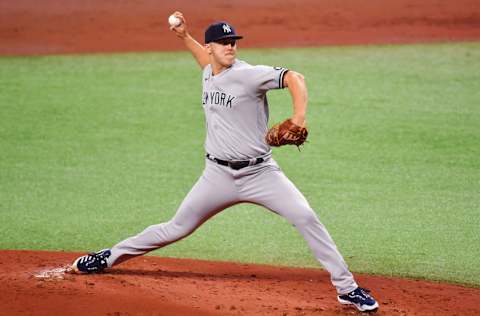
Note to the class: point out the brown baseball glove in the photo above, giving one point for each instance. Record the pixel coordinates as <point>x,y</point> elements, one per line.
<point>286,133</point>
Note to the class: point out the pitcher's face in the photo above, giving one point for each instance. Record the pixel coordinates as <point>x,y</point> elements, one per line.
<point>223,51</point>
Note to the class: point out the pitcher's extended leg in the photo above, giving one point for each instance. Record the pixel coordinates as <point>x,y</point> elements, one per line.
<point>212,193</point>
<point>276,192</point>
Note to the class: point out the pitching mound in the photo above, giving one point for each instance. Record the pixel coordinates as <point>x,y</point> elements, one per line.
<point>34,283</point>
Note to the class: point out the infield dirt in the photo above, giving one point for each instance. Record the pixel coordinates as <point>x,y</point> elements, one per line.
<point>33,282</point>
<point>70,26</point>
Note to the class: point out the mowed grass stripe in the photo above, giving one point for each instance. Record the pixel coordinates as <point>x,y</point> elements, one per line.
<point>96,148</point>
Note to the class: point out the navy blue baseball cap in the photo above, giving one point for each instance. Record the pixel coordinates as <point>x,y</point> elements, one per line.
<point>220,30</point>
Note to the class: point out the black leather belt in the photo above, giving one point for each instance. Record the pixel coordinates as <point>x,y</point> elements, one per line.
<point>235,164</point>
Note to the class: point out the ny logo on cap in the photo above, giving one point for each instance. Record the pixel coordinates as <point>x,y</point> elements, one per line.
<point>227,29</point>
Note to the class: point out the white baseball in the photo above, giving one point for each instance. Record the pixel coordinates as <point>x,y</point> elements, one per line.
<point>174,21</point>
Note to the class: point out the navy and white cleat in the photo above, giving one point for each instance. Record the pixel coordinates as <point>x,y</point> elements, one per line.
<point>361,298</point>
<point>92,263</point>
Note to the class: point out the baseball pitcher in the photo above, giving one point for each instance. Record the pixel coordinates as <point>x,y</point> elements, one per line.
<point>238,160</point>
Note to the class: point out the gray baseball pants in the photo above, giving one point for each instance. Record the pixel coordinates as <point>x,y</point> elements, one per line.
<point>220,187</point>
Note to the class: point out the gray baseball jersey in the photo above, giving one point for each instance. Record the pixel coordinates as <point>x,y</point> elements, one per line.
<point>236,109</point>
<point>236,112</point>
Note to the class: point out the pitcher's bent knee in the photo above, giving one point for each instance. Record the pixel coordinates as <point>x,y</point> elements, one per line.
<point>304,217</point>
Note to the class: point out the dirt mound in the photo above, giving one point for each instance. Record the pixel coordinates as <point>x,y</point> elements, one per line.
<point>33,283</point>
<point>71,26</point>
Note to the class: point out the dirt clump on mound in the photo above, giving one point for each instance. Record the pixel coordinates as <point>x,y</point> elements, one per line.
<point>34,283</point>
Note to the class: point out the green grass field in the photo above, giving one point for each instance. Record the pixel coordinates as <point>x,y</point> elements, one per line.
<point>95,148</point>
